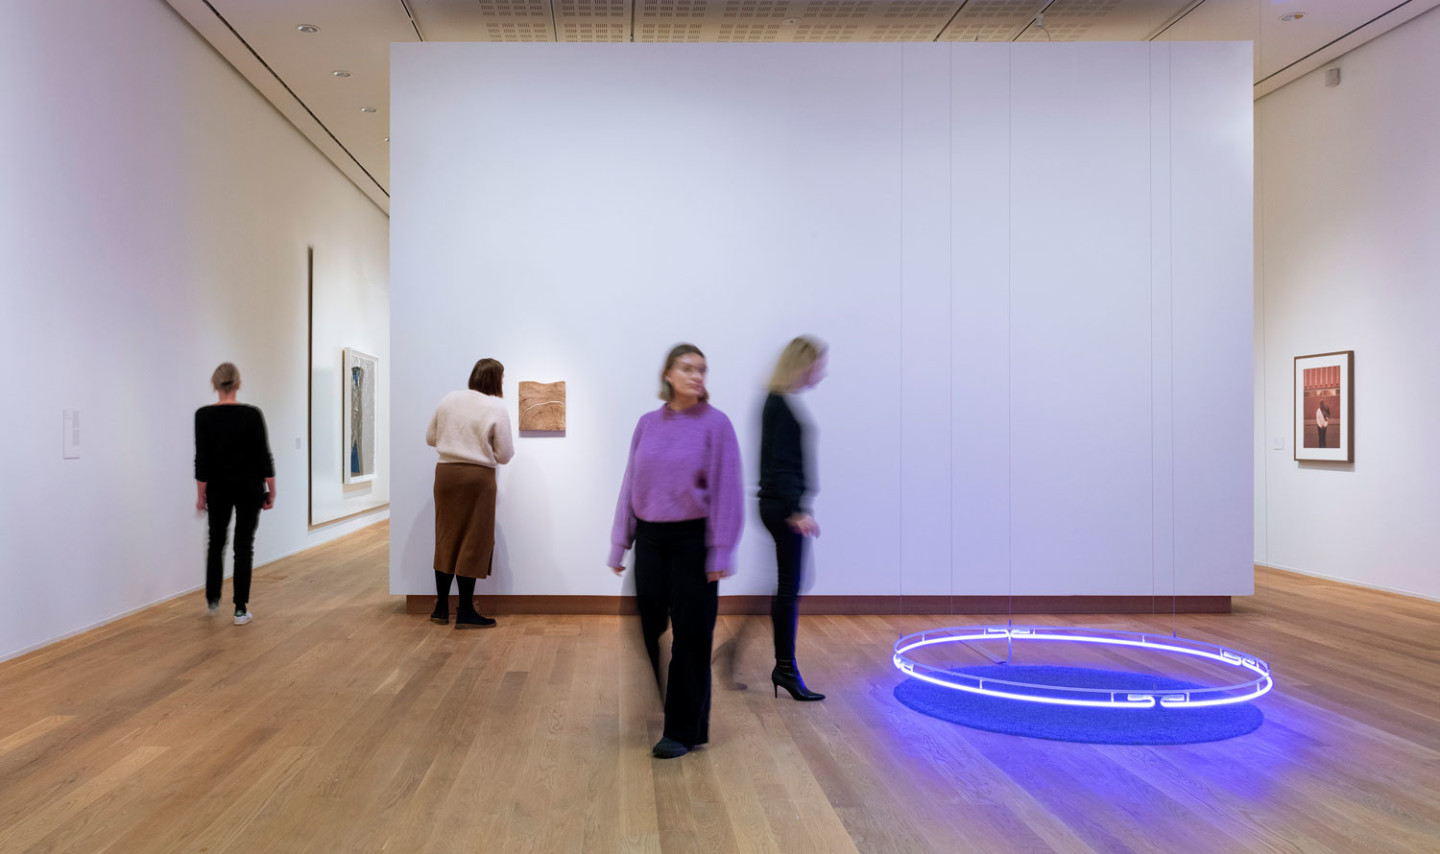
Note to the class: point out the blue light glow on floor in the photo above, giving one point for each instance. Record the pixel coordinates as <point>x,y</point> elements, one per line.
<point>1155,725</point>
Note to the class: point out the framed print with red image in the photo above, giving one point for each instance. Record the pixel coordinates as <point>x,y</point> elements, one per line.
<point>1325,407</point>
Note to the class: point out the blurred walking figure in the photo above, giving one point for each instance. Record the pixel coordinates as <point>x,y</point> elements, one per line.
<point>234,474</point>
<point>471,432</point>
<point>681,506</point>
<point>784,500</point>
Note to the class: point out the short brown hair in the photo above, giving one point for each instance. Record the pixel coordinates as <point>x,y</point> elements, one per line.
<point>226,378</point>
<point>677,352</point>
<point>486,377</point>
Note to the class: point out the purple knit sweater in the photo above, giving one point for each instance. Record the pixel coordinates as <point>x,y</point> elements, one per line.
<point>683,465</point>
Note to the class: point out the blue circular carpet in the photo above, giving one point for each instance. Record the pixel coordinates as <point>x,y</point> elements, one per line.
<point>1078,723</point>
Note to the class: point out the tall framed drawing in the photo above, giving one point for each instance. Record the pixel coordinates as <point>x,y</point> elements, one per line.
<point>1325,407</point>
<point>357,414</point>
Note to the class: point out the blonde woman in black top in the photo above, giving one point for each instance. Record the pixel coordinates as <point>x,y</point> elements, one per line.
<point>784,505</point>
<point>234,473</point>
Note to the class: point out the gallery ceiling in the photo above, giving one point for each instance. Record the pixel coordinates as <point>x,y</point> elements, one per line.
<point>325,63</point>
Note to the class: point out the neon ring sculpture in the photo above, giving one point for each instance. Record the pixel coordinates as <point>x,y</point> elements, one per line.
<point>1119,698</point>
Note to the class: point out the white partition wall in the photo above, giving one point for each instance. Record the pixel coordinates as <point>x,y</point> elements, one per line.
<point>1032,263</point>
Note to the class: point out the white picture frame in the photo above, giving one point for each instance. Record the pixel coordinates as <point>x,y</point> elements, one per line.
<point>358,379</point>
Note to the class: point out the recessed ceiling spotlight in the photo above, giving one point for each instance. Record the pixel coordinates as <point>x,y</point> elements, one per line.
<point>792,21</point>
<point>387,139</point>
<point>1293,16</point>
<point>367,109</point>
<point>341,73</point>
<point>308,28</point>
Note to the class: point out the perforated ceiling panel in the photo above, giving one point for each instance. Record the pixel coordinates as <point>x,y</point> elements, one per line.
<point>486,20</point>
<point>791,20</point>
<point>991,20</point>
<point>1104,20</point>
<point>668,31</point>
<point>592,20</point>
<point>795,20</point>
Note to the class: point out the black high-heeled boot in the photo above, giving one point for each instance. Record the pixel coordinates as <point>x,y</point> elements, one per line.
<point>786,675</point>
<point>441,614</point>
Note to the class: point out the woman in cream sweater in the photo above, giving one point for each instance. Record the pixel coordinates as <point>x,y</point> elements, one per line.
<point>471,432</point>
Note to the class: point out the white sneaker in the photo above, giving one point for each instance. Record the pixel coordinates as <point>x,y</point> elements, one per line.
<point>212,608</point>
<point>243,617</point>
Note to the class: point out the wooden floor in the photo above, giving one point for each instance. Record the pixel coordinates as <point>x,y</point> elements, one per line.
<point>336,723</point>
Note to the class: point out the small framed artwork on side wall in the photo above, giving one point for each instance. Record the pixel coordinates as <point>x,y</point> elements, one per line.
<point>1325,407</point>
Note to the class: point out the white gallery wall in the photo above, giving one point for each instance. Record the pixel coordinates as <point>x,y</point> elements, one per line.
<point>154,223</point>
<point>1349,195</point>
<point>1033,264</point>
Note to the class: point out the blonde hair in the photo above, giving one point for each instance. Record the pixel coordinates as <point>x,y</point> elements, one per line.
<point>677,352</point>
<point>799,356</point>
<point>226,378</point>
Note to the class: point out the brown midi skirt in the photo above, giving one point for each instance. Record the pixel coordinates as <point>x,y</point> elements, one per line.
<point>464,519</point>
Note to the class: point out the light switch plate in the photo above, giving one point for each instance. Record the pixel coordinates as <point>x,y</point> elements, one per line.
<point>1278,443</point>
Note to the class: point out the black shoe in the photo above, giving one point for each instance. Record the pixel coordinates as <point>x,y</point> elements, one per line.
<point>439,617</point>
<point>473,620</point>
<point>787,676</point>
<point>668,748</point>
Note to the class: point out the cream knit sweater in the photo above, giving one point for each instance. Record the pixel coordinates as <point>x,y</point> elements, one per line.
<point>470,427</point>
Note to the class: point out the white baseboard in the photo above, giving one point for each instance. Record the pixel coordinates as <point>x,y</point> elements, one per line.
<point>26,650</point>
<point>322,534</point>
<point>341,529</point>
<point>1350,581</point>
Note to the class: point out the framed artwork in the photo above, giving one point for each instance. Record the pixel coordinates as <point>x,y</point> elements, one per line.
<point>358,416</point>
<point>542,407</point>
<point>1325,407</point>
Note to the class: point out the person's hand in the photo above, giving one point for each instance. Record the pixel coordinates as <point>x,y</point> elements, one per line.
<point>269,500</point>
<point>618,570</point>
<point>804,524</point>
<point>717,574</point>
<point>200,504</point>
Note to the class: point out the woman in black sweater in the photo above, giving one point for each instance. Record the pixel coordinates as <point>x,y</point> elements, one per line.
<point>784,508</point>
<point>234,471</point>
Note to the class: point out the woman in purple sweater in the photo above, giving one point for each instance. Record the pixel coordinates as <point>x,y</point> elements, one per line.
<point>680,505</point>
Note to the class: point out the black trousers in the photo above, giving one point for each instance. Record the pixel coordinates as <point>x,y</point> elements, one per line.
<point>789,557</point>
<point>670,587</point>
<point>221,500</point>
<point>1321,431</point>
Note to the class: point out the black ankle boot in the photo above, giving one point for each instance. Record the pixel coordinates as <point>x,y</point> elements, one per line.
<point>786,675</point>
<point>441,614</point>
<point>471,619</point>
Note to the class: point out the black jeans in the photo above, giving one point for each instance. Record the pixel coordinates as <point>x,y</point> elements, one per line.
<point>220,501</point>
<point>670,587</point>
<point>789,557</point>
